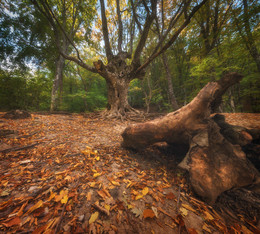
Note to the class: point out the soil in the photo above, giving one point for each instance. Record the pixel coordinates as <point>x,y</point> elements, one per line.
<point>69,174</point>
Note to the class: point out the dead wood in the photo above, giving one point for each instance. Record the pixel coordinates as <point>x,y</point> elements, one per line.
<point>17,114</point>
<point>215,159</point>
<point>18,148</point>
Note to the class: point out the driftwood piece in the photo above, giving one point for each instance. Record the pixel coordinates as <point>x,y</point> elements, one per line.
<point>215,160</point>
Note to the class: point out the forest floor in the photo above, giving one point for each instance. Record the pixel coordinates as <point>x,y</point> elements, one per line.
<point>69,174</point>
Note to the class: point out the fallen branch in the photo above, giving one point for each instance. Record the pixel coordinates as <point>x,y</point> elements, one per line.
<point>61,217</point>
<point>19,148</point>
<point>105,211</point>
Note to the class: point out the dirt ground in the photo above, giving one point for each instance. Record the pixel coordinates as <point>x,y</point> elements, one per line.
<point>69,174</point>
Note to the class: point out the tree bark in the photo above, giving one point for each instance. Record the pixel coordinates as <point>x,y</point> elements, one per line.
<point>172,98</point>
<point>56,83</point>
<point>215,160</point>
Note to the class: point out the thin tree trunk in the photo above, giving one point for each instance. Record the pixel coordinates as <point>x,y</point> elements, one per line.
<point>172,98</point>
<point>56,83</point>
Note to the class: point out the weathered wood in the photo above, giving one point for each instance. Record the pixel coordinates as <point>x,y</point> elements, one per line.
<point>215,159</point>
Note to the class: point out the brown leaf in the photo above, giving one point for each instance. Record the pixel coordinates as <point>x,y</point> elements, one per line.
<point>148,213</point>
<point>170,196</point>
<point>12,222</point>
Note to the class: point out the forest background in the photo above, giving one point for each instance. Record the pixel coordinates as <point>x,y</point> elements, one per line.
<point>222,36</point>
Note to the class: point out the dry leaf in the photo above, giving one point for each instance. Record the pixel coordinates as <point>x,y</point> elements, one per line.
<point>139,196</point>
<point>208,216</point>
<point>148,213</point>
<point>93,217</point>
<point>183,211</point>
<point>145,191</point>
<point>155,211</point>
<point>96,174</point>
<point>188,207</point>
<point>246,230</point>
<point>137,212</point>
<point>170,196</point>
<point>192,231</point>
<point>206,228</point>
<point>36,206</point>
<point>89,196</point>
<point>12,222</point>
<point>115,183</point>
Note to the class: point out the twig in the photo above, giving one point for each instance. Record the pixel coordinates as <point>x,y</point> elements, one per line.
<point>19,148</point>
<point>178,200</point>
<point>61,217</point>
<point>101,209</point>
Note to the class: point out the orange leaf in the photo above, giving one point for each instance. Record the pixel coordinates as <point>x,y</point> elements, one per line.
<point>12,222</point>
<point>148,213</point>
<point>36,206</point>
<point>192,231</point>
<point>170,196</point>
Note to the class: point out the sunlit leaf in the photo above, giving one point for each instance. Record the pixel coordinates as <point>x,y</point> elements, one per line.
<point>139,196</point>
<point>183,211</point>
<point>96,174</point>
<point>145,191</point>
<point>36,206</point>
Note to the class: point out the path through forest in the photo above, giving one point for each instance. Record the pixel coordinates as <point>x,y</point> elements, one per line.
<point>76,178</point>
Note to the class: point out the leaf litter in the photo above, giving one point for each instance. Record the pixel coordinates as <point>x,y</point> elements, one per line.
<point>77,179</point>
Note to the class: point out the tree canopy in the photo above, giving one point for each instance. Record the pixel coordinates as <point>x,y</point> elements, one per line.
<point>111,52</point>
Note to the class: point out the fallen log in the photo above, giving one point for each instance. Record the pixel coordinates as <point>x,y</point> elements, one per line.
<point>215,159</point>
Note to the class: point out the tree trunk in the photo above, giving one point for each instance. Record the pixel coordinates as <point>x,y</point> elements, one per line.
<point>215,160</point>
<point>172,98</point>
<point>56,83</point>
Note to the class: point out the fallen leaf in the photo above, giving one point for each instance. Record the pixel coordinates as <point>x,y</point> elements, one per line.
<point>139,196</point>
<point>145,191</point>
<point>5,193</point>
<point>192,231</point>
<point>148,213</point>
<point>183,211</point>
<point>36,206</point>
<point>155,211</point>
<point>96,175</point>
<point>170,196</point>
<point>208,216</point>
<point>93,217</point>
<point>188,207</point>
<point>246,230</point>
<point>107,207</point>
<point>138,212</point>
<point>89,196</point>
<point>12,222</point>
<point>115,183</point>
<point>206,228</point>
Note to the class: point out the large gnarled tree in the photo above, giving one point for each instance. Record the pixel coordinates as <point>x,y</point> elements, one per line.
<point>131,34</point>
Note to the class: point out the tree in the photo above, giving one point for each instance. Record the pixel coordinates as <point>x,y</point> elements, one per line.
<point>66,19</point>
<point>130,43</point>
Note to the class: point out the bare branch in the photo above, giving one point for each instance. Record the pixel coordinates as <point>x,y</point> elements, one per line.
<point>135,16</point>
<point>105,31</point>
<point>172,39</point>
<point>79,62</point>
<point>144,35</point>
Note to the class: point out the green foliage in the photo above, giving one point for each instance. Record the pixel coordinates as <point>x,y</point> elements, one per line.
<point>20,91</point>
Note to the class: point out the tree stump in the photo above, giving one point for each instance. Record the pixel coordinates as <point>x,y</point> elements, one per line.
<point>215,159</point>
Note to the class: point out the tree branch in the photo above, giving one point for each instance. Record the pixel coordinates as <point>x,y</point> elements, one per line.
<point>105,31</point>
<point>144,35</point>
<point>120,27</point>
<point>172,39</point>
